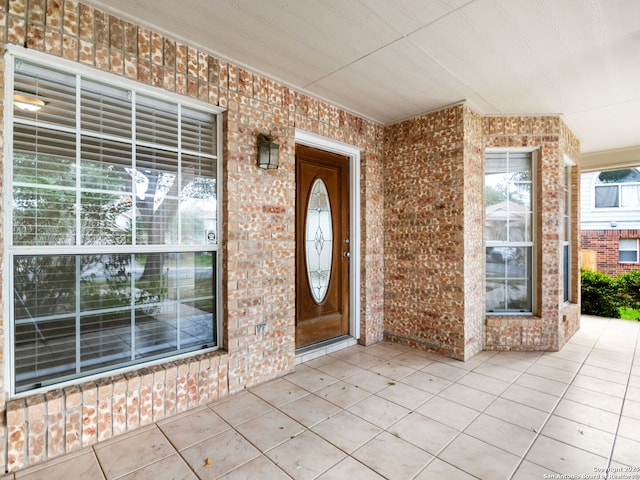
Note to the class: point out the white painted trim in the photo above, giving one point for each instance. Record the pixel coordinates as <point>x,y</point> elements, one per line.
<point>568,161</point>
<point>353,153</point>
<point>7,284</point>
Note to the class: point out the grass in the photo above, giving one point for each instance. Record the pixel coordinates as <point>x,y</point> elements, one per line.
<point>627,313</point>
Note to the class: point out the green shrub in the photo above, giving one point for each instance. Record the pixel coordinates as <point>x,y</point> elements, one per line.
<point>600,294</point>
<point>629,289</point>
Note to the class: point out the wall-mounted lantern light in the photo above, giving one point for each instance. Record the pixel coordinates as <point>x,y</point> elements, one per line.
<point>268,151</point>
<point>27,102</point>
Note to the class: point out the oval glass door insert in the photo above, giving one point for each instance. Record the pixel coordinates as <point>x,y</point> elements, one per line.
<point>319,240</point>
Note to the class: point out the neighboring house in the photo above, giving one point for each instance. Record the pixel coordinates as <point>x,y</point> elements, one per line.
<point>126,302</point>
<point>610,218</point>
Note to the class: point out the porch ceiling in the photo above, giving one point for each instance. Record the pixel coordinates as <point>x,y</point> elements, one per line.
<point>392,59</point>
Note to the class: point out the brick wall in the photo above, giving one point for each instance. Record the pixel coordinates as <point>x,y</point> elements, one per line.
<point>606,244</point>
<point>258,229</point>
<point>434,233</point>
<point>474,251</point>
<point>434,260</point>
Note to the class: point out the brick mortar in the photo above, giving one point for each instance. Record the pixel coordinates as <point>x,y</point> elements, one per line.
<point>44,426</point>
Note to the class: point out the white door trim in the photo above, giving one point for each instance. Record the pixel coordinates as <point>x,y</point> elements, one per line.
<point>353,153</point>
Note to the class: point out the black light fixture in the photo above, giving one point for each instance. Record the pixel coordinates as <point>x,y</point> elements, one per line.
<point>268,152</point>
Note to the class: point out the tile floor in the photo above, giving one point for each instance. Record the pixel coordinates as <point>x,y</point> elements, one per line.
<point>386,411</point>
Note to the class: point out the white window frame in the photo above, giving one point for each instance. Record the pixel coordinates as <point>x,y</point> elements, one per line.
<point>635,250</point>
<point>14,53</point>
<point>534,241</point>
<point>595,185</point>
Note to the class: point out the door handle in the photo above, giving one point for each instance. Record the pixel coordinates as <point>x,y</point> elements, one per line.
<point>347,254</point>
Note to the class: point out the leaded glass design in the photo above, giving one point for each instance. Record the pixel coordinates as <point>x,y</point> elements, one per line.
<point>319,240</point>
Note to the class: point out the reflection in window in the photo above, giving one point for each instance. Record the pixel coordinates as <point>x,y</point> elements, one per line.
<point>114,238</point>
<point>509,231</point>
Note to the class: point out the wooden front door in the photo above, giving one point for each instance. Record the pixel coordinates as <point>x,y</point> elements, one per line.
<point>322,245</point>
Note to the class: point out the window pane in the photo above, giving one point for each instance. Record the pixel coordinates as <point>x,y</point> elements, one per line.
<point>44,285</point>
<point>44,216</point>
<point>105,109</point>
<point>43,156</point>
<point>628,250</point>
<point>509,271</point>
<point>198,131</point>
<point>508,197</point>
<point>520,166</point>
<point>105,340</point>
<point>496,225</point>
<point>156,199</point>
<point>520,196</point>
<point>105,165</point>
<point>156,330</point>
<point>198,204</point>
<point>156,121</point>
<point>56,89</point>
<point>198,218</point>
<point>197,304</point>
<point>606,196</point>
<point>519,225</point>
<point>518,262</point>
<point>44,350</point>
<point>105,281</point>
<point>195,166</point>
<point>628,244</point>
<point>630,196</point>
<point>196,277</point>
<point>628,256</point>
<point>105,219</point>
<point>496,262</point>
<point>518,295</point>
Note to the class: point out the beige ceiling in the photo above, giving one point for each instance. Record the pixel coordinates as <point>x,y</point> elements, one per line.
<point>392,59</point>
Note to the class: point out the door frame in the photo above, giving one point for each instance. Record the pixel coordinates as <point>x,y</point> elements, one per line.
<point>309,139</point>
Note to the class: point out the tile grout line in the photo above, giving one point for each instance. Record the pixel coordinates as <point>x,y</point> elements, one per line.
<point>626,390</point>
<point>481,412</point>
<point>560,398</point>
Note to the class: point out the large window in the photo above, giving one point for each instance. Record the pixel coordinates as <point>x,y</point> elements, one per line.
<point>509,231</point>
<point>618,189</point>
<point>112,248</point>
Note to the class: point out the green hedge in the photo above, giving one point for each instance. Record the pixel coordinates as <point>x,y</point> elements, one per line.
<point>629,289</point>
<point>600,294</point>
<point>603,295</point>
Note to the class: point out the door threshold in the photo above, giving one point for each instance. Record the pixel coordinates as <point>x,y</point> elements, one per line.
<point>320,349</point>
